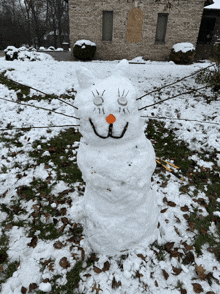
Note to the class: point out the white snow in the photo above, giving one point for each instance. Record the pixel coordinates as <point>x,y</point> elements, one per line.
<point>184,47</point>
<point>87,42</point>
<point>215,5</point>
<point>59,78</point>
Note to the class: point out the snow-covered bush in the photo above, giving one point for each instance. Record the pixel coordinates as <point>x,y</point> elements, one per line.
<point>51,48</point>
<point>182,53</point>
<point>22,53</point>
<point>84,50</point>
<point>11,53</point>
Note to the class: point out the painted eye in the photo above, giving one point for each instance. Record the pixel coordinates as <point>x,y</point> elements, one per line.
<point>98,100</point>
<point>122,101</point>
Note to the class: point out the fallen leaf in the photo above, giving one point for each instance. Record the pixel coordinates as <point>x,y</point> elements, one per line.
<point>33,242</point>
<point>177,271</point>
<point>115,284</point>
<point>106,266</point>
<point>203,231</point>
<point>1,268</point>
<point>51,266</point>
<point>96,289</point>
<point>200,272</point>
<point>32,287</point>
<point>165,274</point>
<point>141,256</point>
<point>63,211</point>
<point>171,204</point>
<point>64,263</point>
<point>8,227</point>
<point>61,229</point>
<point>163,210</point>
<point>183,291</point>
<point>197,288</point>
<point>58,245</point>
<point>169,246</point>
<point>97,270</point>
<point>23,290</point>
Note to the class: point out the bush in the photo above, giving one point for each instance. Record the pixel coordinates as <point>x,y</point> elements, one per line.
<point>84,50</point>
<point>182,53</point>
<point>24,54</point>
<point>11,53</point>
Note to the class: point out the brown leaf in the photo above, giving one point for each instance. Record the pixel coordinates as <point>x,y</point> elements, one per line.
<point>171,204</point>
<point>141,256</point>
<point>115,284</point>
<point>106,266</point>
<point>82,253</point>
<point>36,207</point>
<point>33,242</point>
<point>203,231</point>
<point>97,270</point>
<point>58,245</point>
<point>65,220</point>
<point>183,291</point>
<point>51,266</point>
<point>197,288</point>
<point>156,284</point>
<point>32,287</point>
<point>23,290</point>
<point>165,274</point>
<point>61,229</point>
<point>1,268</point>
<point>96,289</point>
<point>64,263</point>
<point>192,225</point>
<point>169,246</point>
<point>163,210</point>
<point>188,247</point>
<point>8,227</point>
<point>177,271</point>
<point>46,166</point>
<point>139,275</point>
<point>200,272</point>
<point>189,258</point>
<point>4,194</point>
<point>63,211</point>
<point>184,208</point>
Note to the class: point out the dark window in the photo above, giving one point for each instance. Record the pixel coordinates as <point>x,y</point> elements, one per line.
<point>161,27</point>
<point>107,25</point>
<point>206,30</point>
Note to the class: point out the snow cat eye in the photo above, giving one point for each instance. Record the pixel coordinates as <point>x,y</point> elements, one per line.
<point>122,101</point>
<point>98,100</point>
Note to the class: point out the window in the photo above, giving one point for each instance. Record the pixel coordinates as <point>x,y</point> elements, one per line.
<point>107,25</point>
<point>161,27</point>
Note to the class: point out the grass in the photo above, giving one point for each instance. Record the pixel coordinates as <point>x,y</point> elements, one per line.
<point>49,223</point>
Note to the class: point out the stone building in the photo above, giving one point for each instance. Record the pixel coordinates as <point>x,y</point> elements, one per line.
<point>129,28</point>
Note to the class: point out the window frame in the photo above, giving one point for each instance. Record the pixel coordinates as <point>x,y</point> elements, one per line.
<point>107,16</point>
<point>162,40</point>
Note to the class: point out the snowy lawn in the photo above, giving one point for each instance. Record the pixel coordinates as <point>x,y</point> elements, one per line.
<point>42,248</point>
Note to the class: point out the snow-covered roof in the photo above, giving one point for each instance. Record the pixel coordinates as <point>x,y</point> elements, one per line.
<point>216,5</point>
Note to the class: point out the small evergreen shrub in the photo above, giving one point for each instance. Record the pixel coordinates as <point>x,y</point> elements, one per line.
<point>84,50</point>
<point>182,53</point>
<point>24,54</point>
<point>11,53</point>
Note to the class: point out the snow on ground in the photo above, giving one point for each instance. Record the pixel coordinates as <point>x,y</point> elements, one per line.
<point>144,271</point>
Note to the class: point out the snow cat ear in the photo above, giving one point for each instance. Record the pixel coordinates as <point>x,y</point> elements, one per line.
<point>85,77</point>
<point>121,69</point>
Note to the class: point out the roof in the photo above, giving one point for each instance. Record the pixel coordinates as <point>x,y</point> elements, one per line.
<point>215,5</point>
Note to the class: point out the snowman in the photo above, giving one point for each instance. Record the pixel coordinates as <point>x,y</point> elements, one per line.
<point>117,162</point>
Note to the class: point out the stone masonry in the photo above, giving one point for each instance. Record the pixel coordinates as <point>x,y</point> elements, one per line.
<point>184,18</point>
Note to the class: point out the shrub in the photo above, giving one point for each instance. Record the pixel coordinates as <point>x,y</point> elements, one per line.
<point>84,50</point>
<point>11,53</point>
<point>182,53</point>
<point>24,54</point>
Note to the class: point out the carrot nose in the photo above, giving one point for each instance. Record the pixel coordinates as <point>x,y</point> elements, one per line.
<point>110,119</point>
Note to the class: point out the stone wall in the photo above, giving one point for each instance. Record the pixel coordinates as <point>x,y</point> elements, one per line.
<point>184,17</point>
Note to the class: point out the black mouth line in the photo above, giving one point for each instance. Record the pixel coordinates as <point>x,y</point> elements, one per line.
<point>109,131</point>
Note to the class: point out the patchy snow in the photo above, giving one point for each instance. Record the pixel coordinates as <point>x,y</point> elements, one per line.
<point>215,5</point>
<point>141,271</point>
<point>184,47</point>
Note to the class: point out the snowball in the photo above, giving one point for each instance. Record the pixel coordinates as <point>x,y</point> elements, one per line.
<point>184,47</point>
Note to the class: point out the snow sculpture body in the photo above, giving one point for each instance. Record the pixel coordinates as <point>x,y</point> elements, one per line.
<point>117,162</point>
